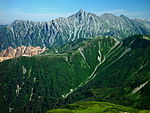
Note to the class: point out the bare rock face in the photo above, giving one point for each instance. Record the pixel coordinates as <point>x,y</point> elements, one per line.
<point>61,31</point>
<point>20,51</point>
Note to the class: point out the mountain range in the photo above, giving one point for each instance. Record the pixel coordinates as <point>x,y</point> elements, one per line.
<point>79,64</point>
<point>60,31</point>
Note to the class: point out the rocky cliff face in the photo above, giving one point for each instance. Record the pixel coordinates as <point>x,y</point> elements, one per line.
<point>63,30</point>
<point>20,51</point>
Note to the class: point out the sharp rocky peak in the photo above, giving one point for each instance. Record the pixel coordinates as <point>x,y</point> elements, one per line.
<point>81,15</point>
<point>81,11</point>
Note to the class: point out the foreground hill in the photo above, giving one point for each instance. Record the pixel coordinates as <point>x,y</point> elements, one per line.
<point>96,107</point>
<point>100,68</point>
<point>60,31</point>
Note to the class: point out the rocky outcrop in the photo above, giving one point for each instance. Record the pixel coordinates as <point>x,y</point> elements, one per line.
<point>20,51</point>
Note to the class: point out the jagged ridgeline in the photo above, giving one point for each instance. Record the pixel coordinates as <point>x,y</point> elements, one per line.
<point>99,68</point>
<point>63,30</point>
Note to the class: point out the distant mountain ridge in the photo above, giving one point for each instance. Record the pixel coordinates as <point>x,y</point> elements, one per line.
<point>60,31</point>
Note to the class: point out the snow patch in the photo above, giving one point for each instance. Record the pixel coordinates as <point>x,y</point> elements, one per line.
<point>66,95</point>
<point>66,58</point>
<point>138,88</point>
<point>126,51</point>
<point>141,67</point>
<point>31,94</point>
<point>24,70</point>
<point>34,79</point>
<point>10,109</point>
<point>18,90</point>
<point>80,50</point>
<point>99,59</point>
<point>146,38</point>
<point>131,42</point>
<point>5,97</point>
<point>100,54</point>
<point>71,89</point>
<point>116,44</point>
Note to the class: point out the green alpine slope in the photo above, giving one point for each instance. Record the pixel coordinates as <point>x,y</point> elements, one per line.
<point>42,82</point>
<point>123,76</point>
<point>99,69</point>
<point>96,107</point>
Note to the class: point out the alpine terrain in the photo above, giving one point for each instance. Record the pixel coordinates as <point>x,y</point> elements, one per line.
<point>79,75</point>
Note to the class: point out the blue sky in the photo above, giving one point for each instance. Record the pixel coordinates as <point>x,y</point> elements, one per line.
<point>46,10</point>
